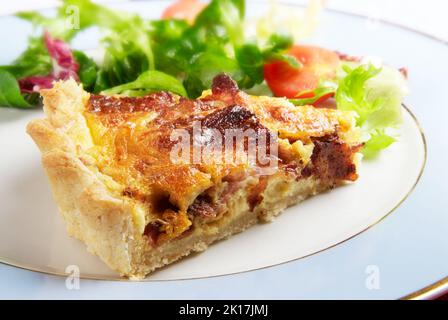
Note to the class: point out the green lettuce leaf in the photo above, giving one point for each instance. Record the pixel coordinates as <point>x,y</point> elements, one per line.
<point>127,55</point>
<point>10,93</point>
<point>87,69</point>
<point>378,141</point>
<point>74,16</point>
<point>206,67</point>
<point>34,61</point>
<point>375,94</point>
<point>221,21</point>
<point>148,82</point>
<point>318,94</point>
<point>252,58</point>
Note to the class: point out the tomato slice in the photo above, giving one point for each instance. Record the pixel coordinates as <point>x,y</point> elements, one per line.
<point>183,9</point>
<point>318,64</point>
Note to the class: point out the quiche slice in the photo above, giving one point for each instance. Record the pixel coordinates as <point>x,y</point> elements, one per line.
<point>114,166</point>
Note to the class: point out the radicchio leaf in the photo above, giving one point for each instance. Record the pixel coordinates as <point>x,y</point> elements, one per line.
<point>64,64</point>
<point>64,67</point>
<point>35,83</point>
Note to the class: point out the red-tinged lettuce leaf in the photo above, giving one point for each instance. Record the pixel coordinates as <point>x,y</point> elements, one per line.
<point>36,83</point>
<point>64,63</point>
<point>64,67</point>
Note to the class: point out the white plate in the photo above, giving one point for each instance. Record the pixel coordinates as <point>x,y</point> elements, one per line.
<point>407,249</point>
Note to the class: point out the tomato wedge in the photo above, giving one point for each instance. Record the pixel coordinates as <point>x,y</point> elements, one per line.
<point>184,9</point>
<point>318,64</point>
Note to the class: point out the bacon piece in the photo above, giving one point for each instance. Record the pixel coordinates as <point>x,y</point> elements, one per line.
<point>152,231</point>
<point>224,88</point>
<point>332,160</point>
<point>202,207</point>
<point>256,193</point>
<point>223,84</point>
<point>205,208</point>
<point>232,117</point>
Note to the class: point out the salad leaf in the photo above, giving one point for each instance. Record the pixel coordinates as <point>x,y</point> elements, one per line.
<point>390,87</point>
<point>33,84</point>
<point>206,67</point>
<point>252,58</point>
<point>301,23</point>
<point>10,92</point>
<point>128,54</point>
<point>173,50</point>
<point>291,60</point>
<point>221,20</point>
<point>64,66</point>
<point>92,14</point>
<point>217,27</point>
<point>251,61</point>
<point>76,15</point>
<point>148,82</point>
<point>352,92</point>
<point>195,54</point>
<point>279,41</point>
<point>375,94</point>
<point>378,141</point>
<point>87,69</point>
<point>35,60</point>
<point>316,96</point>
<point>58,26</point>
<point>276,45</point>
<point>164,31</point>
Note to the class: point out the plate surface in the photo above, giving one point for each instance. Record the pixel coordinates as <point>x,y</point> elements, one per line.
<point>408,249</point>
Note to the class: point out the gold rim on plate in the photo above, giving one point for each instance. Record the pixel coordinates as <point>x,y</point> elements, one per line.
<point>432,291</point>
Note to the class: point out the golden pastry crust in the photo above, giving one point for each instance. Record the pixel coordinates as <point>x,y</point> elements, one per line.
<point>109,169</point>
<point>82,197</point>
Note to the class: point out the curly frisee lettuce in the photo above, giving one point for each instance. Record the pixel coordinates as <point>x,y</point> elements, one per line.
<point>375,94</point>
